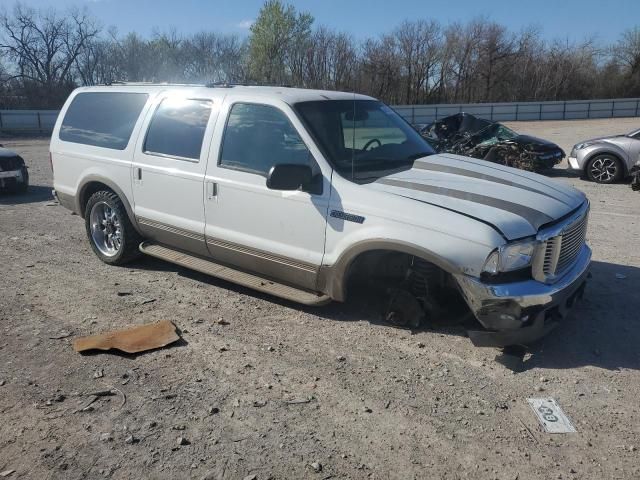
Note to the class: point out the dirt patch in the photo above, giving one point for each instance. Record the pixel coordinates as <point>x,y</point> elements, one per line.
<point>263,387</point>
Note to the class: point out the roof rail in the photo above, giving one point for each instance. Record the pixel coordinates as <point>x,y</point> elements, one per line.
<point>145,84</point>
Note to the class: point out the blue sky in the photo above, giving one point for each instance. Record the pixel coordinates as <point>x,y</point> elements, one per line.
<point>571,20</point>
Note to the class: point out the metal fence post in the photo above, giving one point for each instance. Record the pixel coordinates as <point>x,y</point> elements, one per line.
<point>517,110</point>
<point>564,110</point>
<point>1,117</point>
<point>540,111</point>
<point>613,107</point>
<point>39,123</point>
<point>637,105</point>
<point>413,114</point>
<point>491,112</point>
<point>588,109</point>
<point>436,113</point>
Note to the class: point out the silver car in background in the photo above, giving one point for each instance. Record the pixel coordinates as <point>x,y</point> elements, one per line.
<point>606,159</point>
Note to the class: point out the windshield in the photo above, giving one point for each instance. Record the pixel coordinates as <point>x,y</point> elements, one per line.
<point>362,138</point>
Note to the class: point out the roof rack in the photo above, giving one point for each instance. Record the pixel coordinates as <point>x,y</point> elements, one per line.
<point>207,85</point>
<point>145,84</point>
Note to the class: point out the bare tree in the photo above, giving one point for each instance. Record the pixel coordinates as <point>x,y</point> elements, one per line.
<point>44,46</point>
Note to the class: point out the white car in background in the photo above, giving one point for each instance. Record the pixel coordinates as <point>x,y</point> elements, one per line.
<point>308,194</point>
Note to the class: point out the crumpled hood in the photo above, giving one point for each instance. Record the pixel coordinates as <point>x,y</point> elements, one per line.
<point>535,143</point>
<point>515,202</point>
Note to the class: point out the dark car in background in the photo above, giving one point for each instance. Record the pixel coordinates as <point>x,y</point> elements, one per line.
<point>14,176</point>
<point>466,134</point>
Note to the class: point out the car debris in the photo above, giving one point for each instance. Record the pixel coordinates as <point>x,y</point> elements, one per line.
<point>551,416</point>
<point>133,340</point>
<point>466,134</point>
<point>14,176</point>
<point>635,177</point>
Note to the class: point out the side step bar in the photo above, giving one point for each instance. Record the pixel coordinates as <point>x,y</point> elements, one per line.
<point>249,280</point>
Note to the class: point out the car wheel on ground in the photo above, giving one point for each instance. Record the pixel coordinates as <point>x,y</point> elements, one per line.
<point>112,236</point>
<point>604,168</point>
<point>21,187</point>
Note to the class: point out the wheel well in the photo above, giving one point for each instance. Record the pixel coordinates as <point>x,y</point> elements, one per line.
<point>380,268</point>
<point>89,189</point>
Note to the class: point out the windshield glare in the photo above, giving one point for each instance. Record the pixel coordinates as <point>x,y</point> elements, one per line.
<point>362,136</point>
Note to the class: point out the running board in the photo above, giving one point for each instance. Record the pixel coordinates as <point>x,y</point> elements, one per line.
<point>249,280</point>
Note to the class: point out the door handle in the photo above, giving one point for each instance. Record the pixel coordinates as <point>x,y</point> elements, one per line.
<point>138,174</point>
<point>212,190</point>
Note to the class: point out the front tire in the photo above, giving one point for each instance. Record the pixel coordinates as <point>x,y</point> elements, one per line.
<point>604,168</point>
<point>111,234</point>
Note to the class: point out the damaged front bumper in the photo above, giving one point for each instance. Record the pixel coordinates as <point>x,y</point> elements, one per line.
<point>521,312</point>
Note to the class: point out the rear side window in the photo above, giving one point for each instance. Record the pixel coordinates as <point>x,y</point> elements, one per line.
<point>177,128</point>
<point>258,137</point>
<point>102,119</point>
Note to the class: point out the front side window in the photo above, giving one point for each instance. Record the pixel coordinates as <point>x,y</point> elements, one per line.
<point>177,128</point>
<point>258,137</point>
<point>102,119</point>
<point>362,138</point>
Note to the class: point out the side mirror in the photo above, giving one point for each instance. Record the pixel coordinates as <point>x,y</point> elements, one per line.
<point>288,176</point>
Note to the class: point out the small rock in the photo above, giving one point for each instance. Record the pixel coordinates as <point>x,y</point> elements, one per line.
<point>153,424</point>
<point>6,473</point>
<point>222,321</point>
<point>421,345</point>
<point>341,358</point>
<point>130,440</point>
<point>317,467</point>
<point>182,441</point>
<point>259,403</point>
<point>632,448</point>
<point>2,383</point>
<point>59,398</point>
<point>539,388</point>
<point>544,379</point>
<point>223,349</point>
<point>99,373</point>
<point>106,437</point>
<point>252,476</point>
<point>367,410</point>
<point>213,410</point>
<point>270,348</point>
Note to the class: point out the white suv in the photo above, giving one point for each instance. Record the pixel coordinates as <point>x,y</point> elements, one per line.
<point>305,193</point>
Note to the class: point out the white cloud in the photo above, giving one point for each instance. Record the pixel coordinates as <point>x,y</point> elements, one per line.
<point>245,24</point>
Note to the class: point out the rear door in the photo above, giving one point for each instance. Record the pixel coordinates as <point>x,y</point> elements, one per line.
<point>168,171</point>
<point>279,234</point>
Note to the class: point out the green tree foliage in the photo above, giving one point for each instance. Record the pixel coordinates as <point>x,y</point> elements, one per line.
<point>279,42</point>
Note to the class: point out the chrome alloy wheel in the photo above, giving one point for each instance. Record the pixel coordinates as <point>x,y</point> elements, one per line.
<point>106,230</point>
<point>604,169</point>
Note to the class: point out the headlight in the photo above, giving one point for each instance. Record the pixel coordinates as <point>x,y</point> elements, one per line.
<point>582,145</point>
<point>509,257</point>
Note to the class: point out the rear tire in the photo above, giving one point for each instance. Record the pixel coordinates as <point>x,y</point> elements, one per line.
<point>604,168</point>
<point>111,234</point>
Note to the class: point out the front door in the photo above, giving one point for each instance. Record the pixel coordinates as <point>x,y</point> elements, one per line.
<point>278,234</point>
<point>168,172</point>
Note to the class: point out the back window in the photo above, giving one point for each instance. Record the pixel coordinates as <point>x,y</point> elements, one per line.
<point>102,119</point>
<point>177,128</point>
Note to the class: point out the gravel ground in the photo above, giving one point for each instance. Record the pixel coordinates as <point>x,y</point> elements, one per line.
<point>261,388</point>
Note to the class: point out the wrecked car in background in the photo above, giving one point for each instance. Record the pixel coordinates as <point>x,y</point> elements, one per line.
<point>607,159</point>
<point>14,176</point>
<point>635,177</point>
<point>465,134</point>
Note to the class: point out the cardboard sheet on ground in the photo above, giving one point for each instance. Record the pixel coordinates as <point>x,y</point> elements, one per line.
<point>132,340</point>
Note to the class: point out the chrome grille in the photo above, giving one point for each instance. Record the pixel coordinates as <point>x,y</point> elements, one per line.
<point>558,252</point>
